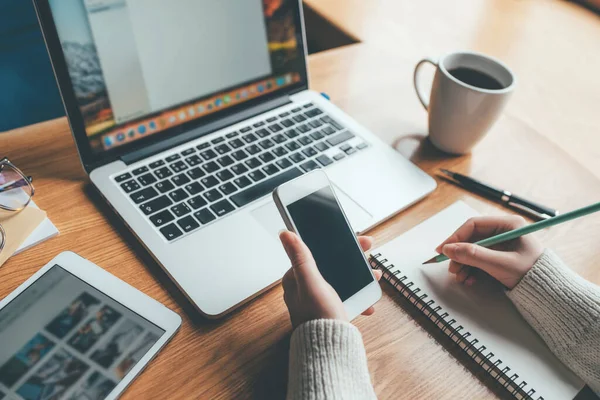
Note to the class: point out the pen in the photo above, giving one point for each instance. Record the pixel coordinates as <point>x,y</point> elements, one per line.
<point>516,233</point>
<point>504,196</point>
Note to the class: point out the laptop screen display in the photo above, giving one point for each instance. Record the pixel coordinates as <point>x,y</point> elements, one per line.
<point>141,67</point>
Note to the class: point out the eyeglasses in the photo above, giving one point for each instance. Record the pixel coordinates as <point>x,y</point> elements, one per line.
<point>16,191</point>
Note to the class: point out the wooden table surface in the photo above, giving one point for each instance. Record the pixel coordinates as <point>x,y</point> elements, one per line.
<point>545,147</point>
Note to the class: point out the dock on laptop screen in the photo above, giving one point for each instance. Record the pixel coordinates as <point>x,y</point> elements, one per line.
<point>140,67</point>
<point>63,339</point>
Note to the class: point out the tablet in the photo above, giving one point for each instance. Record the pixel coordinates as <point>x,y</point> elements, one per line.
<point>74,331</point>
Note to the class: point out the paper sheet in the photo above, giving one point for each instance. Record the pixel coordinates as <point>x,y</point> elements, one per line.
<point>484,310</point>
<point>18,227</point>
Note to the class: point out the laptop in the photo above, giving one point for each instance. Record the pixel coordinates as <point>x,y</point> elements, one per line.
<point>187,114</point>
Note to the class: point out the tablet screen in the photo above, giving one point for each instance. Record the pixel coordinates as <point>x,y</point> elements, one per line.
<point>63,339</point>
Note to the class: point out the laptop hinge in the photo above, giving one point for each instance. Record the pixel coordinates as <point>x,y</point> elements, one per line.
<point>195,133</point>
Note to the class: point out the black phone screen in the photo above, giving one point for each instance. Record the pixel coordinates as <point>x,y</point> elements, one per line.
<point>322,226</point>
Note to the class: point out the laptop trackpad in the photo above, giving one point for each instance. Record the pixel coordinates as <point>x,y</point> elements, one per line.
<point>268,215</point>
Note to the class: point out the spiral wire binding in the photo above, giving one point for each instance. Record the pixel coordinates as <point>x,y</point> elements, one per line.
<point>492,365</point>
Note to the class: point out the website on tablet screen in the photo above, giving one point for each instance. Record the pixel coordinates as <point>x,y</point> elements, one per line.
<point>63,339</point>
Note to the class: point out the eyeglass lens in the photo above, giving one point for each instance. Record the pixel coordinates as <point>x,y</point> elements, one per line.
<point>15,189</point>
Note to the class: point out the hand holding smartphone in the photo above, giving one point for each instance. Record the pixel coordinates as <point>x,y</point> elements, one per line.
<point>309,207</point>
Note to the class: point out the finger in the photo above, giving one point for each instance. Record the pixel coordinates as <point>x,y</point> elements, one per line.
<point>483,227</point>
<point>366,242</point>
<point>454,267</point>
<point>303,263</point>
<point>289,281</point>
<point>471,280</point>
<point>490,261</point>
<point>369,311</point>
<point>378,274</point>
<point>462,275</point>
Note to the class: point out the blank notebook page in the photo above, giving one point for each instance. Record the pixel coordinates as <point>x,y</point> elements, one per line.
<point>483,309</point>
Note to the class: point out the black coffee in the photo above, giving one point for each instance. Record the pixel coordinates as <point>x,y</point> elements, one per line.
<point>476,78</point>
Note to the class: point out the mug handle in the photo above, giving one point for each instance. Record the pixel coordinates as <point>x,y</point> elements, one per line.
<point>420,94</point>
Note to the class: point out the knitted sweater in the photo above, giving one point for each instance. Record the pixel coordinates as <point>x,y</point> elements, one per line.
<point>328,360</point>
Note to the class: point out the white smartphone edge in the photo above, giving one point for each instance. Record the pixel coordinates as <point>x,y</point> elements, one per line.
<point>303,186</point>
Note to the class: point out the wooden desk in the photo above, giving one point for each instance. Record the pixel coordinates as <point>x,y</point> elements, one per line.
<point>546,147</point>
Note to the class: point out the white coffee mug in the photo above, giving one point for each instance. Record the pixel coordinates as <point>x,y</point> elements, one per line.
<point>468,94</point>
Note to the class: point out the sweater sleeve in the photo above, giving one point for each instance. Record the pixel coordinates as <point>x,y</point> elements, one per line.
<point>564,309</point>
<point>328,361</point>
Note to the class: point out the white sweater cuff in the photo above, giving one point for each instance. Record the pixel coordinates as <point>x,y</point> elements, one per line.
<point>328,361</point>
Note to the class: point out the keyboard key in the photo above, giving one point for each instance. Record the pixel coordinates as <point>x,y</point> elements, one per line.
<point>263,133</point>
<point>197,202</point>
<point>147,179</point>
<point>266,187</point>
<point>339,156</point>
<point>253,163</point>
<point>223,148</point>
<point>208,154</point>
<point>203,146</point>
<point>209,181</point>
<point>305,140</point>
<point>194,188</point>
<point>362,146</point>
<point>283,115</point>
<point>267,157</point>
<point>332,122</point>
<point>239,155</point>
<point>211,167</point>
<point>328,130</point>
<point>292,146</point>
<point>130,186</point>
<point>239,169</point>
<point>284,163</point>
<point>188,224</point>
<point>143,195</point>
<point>242,182</point>
<point>180,210</point>
<point>246,129</point>
<point>157,164</point>
<point>123,177</point>
<point>275,128</point>
<point>351,150</point>
<point>316,135</point>
<point>256,175</point>
<point>313,112</point>
<point>324,160</point>
<point>287,123</point>
<point>309,152</point>
<point>309,105</point>
<point>140,170</point>
<point>227,188</point>
<point>212,195</point>
<point>258,124</point>
<point>249,138</point>
<point>292,133</point>
<point>321,146</point>
<point>253,149</point>
<point>204,216</point>
<point>297,157</point>
<point>173,158</point>
<point>309,165</point>
<point>155,205</point>
<point>224,175</point>
<point>266,144</point>
<point>225,161</point>
<point>279,138</point>
<point>171,232</point>
<point>340,138</point>
<point>223,207</point>
<point>303,128</point>
<point>272,119</point>
<point>162,218</point>
<point>188,152</point>
<point>178,166</point>
<point>270,169</point>
<point>231,135</point>
<point>299,118</point>
<point>196,173</point>
<point>280,151</point>
<point>295,110</point>
<point>164,186</point>
<point>193,160</point>
<point>345,147</point>
<point>180,179</point>
<point>178,195</point>
<point>218,140</point>
<point>236,143</point>
<point>163,173</point>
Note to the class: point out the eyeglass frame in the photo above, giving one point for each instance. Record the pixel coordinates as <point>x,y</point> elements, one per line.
<point>28,179</point>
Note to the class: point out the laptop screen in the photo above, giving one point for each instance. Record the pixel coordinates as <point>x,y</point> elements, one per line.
<point>141,67</point>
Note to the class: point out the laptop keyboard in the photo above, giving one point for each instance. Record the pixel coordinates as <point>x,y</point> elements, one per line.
<point>205,182</point>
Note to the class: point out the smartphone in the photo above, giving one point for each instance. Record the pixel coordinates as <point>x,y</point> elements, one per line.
<point>310,208</point>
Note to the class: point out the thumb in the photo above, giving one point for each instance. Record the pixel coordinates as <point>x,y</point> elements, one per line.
<point>303,263</point>
<point>490,261</point>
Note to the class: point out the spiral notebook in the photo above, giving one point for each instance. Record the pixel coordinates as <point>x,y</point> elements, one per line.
<point>480,319</point>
